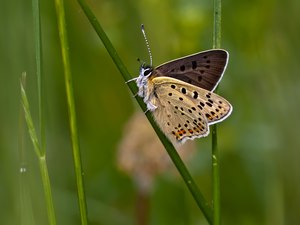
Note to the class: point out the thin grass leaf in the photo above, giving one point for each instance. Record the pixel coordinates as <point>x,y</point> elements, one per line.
<point>25,201</point>
<point>215,151</point>
<point>38,62</point>
<point>26,209</point>
<point>60,12</point>
<point>31,129</point>
<point>41,157</point>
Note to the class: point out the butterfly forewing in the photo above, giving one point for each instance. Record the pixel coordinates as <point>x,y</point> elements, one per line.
<point>204,69</point>
<point>185,111</point>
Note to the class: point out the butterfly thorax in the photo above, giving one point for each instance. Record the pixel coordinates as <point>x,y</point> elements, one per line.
<point>146,87</point>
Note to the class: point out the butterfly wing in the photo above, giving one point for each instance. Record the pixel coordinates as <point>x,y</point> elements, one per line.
<point>185,111</point>
<point>203,69</point>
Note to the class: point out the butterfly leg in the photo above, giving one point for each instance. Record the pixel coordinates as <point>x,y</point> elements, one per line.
<point>135,95</point>
<point>133,79</point>
<point>147,110</point>
<point>151,106</point>
<point>150,109</point>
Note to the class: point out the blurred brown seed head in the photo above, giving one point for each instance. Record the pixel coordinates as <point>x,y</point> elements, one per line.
<point>141,154</point>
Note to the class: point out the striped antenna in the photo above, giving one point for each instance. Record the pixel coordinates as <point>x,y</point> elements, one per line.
<point>147,44</point>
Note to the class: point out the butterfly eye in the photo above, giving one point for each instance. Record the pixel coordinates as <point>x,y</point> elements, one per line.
<point>147,72</point>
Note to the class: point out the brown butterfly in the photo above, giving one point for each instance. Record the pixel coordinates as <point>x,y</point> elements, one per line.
<point>179,93</point>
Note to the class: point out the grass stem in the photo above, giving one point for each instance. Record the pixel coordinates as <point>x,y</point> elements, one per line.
<point>26,210</point>
<point>215,151</point>
<point>203,205</point>
<point>41,157</point>
<point>38,62</point>
<point>60,11</point>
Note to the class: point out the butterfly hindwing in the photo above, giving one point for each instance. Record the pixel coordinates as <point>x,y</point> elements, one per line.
<point>214,107</point>
<point>185,111</point>
<point>203,69</point>
<point>175,117</point>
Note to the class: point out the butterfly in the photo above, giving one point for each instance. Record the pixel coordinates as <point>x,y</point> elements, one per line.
<point>179,93</point>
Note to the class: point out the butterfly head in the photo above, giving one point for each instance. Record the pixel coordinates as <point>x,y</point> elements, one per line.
<point>142,80</point>
<point>145,73</point>
<point>145,70</point>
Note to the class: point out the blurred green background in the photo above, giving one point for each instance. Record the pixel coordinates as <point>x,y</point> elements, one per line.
<point>259,144</point>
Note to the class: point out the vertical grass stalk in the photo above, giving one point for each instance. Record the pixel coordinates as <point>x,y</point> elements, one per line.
<point>39,146</point>
<point>198,197</point>
<point>60,11</point>
<point>215,151</point>
<point>26,210</point>
<point>41,157</point>
<point>38,61</point>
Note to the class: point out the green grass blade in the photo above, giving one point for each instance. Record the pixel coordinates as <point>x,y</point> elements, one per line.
<point>71,109</point>
<point>203,205</point>
<point>41,157</point>
<point>217,24</point>
<point>216,179</point>
<point>26,209</point>
<point>215,151</point>
<point>38,62</point>
<point>29,122</point>
<point>47,190</point>
<point>25,200</point>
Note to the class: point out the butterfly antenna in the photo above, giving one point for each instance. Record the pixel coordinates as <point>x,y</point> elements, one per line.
<point>147,44</point>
